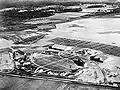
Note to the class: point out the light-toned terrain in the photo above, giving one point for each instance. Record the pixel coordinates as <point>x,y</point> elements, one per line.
<point>103,30</point>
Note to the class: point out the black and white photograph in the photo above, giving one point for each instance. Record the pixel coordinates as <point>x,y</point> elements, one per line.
<point>59,44</point>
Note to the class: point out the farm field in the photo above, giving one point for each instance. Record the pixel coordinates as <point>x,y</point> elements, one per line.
<point>69,29</point>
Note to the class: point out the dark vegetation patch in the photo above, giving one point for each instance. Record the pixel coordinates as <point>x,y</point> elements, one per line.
<point>20,27</point>
<point>23,38</point>
<point>95,6</point>
<point>46,28</point>
<point>75,25</point>
<point>32,4</point>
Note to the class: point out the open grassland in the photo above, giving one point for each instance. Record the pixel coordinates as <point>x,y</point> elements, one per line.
<point>15,83</point>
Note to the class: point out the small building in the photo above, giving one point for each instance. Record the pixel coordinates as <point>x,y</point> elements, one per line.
<point>60,47</point>
<point>51,52</point>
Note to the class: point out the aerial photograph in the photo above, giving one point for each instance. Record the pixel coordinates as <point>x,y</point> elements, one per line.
<point>59,44</point>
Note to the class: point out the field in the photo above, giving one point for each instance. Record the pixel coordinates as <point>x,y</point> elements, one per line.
<point>69,29</point>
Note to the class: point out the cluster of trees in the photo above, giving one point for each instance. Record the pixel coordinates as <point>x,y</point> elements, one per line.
<point>37,3</point>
